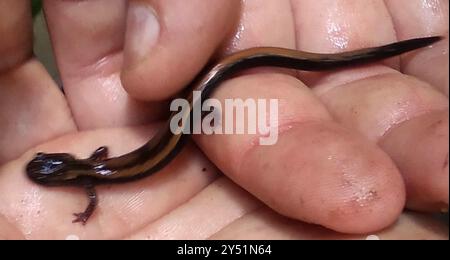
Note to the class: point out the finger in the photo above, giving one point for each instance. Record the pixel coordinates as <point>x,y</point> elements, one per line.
<point>423,18</point>
<point>252,30</point>
<point>82,40</point>
<point>16,24</point>
<point>376,100</point>
<point>317,171</point>
<point>167,37</point>
<point>87,38</point>
<point>342,26</point>
<point>193,219</point>
<point>46,213</point>
<point>426,166</point>
<point>401,113</point>
<point>265,224</point>
<point>32,109</point>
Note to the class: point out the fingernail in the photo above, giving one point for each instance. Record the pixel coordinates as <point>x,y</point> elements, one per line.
<point>142,32</point>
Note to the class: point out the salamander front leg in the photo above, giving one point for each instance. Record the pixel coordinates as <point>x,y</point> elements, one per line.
<point>93,201</point>
<point>100,154</point>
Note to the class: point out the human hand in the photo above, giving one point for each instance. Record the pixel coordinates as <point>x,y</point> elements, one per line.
<point>326,168</point>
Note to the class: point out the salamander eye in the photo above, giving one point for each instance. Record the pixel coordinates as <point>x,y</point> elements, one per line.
<point>40,155</point>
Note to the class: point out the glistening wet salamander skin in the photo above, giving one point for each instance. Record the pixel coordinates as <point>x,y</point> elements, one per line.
<point>65,169</point>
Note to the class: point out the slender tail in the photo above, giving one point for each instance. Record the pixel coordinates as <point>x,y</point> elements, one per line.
<point>299,60</point>
<point>369,55</point>
<point>307,61</point>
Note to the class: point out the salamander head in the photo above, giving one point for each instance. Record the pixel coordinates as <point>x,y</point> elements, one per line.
<point>57,169</point>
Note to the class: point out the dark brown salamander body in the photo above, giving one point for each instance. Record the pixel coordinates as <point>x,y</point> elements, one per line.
<point>64,169</point>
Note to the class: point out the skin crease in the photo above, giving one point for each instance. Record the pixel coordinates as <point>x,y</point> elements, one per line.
<point>170,203</point>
